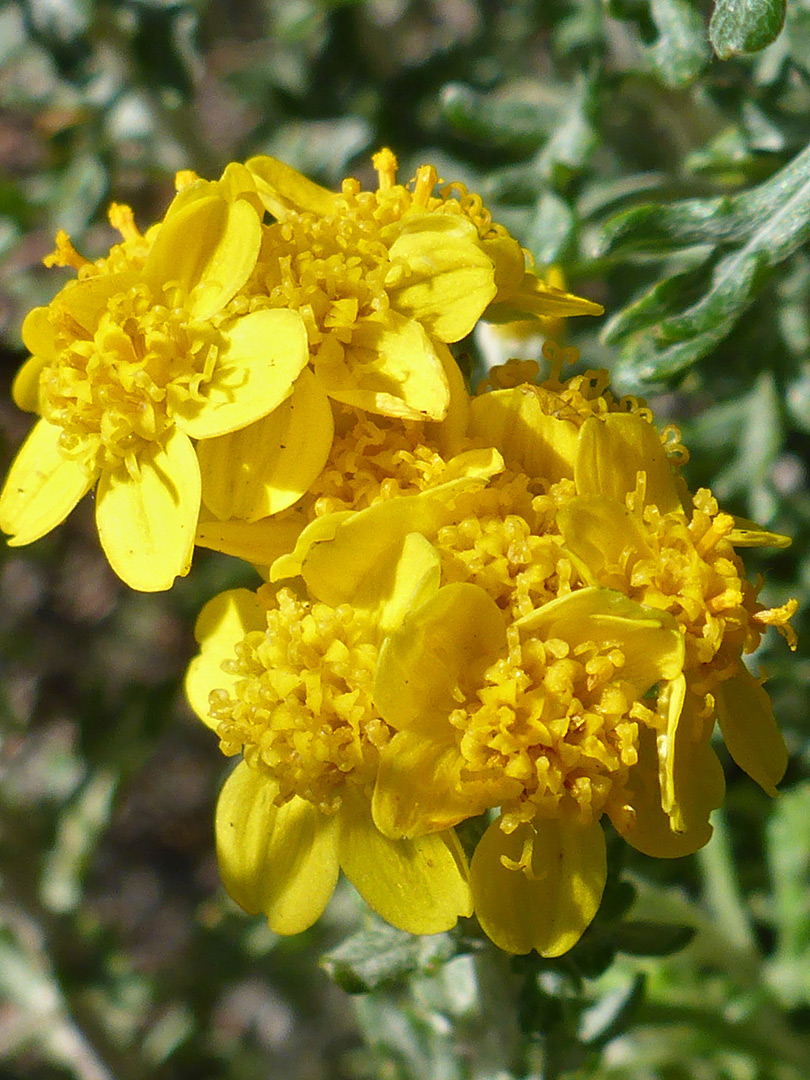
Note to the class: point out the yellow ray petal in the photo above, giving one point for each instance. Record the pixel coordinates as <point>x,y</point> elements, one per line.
<point>209,248</point>
<point>281,861</point>
<point>602,535</point>
<point>25,388</point>
<point>42,486</point>
<point>639,816</point>
<point>533,296</point>
<point>339,554</point>
<point>419,789</point>
<point>265,467</point>
<point>255,373</point>
<point>416,885</point>
<point>514,421</point>
<point>390,367</point>
<point>439,274</point>
<point>652,644</point>
<point>260,542</point>
<point>548,903</point>
<point>222,623</point>
<point>450,638</point>
<point>749,729</point>
<point>748,534</point>
<point>283,189</point>
<point>690,775</point>
<point>147,525</point>
<point>613,450</point>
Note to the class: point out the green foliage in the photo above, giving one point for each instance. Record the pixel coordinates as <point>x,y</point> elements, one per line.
<point>655,150</point>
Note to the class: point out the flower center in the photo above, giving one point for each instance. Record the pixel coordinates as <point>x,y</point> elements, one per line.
<point>118,388</point>
<point>557,727</point>
<point>302,708</point>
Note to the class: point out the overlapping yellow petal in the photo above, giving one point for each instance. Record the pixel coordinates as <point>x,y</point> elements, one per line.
<point>452,637</point>
<point>420,885</point>
<point>256,371</point>
<point>440,275</point>
<point>265,467</point>
<point>43,485</point>
<point>649,639</point>
<point>283,188</point>
<point>147,524</point>
<point>280,861</point>
<point>539,886</point>
<point>222,623</point>
<point>639,815</point>
<point>260,543</point>
<point>612,452</point>
<point>391,367</point>
<point>514,421</point>
<point>603,536</point>
<point>209,249</point>
<point>534,296</point>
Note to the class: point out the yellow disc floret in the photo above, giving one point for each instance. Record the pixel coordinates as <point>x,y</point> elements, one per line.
<point>301,709</point>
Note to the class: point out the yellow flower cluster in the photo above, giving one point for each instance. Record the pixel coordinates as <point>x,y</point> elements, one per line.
<point>506,606</point>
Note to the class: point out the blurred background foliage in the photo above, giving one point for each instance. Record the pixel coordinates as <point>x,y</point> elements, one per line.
<point>655,150</point>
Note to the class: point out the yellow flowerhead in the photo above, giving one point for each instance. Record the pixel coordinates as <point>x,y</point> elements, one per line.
<point>385,279</point>
<point>288,683</point>
<point>134,361</point>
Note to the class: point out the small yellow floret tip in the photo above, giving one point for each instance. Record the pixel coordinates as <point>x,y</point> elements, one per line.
<point>65,254</point>
<point>386,164</point>
<point>183,178</point>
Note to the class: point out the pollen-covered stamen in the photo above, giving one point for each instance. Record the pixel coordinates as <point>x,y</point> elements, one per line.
<point>119,389</point>
<point>302,708</point>
<point>123,220</point>
<point>552,727</point>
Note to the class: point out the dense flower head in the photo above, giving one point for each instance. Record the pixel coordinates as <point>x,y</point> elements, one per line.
<point>300,707</point>
<point>574,626</point>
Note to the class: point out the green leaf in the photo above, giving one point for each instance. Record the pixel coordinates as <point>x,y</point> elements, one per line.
<point>744,26</point>
<point>381,954</point>
<point>681,51</point>
<point>551,228</point>
<point>738,242</point>
<point>612,1014</point>
<point>642,938</point>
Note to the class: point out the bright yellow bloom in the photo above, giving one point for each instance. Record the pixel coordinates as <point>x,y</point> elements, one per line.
<point>289,684</point>
<point>578,638</point>
<point>135,361</point>
<point>385,279</point>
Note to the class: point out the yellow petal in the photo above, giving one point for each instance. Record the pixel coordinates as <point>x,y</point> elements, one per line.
<point>281,861</point>
<point>147,526</point>
<point>509,262</point>
<point>451,638</point>
<point>749,729</point>
<point>265,354</point>
<point>25,388</point>
<point>339,555</point>
<point>267,466</point>
<point>452,430</point>
<point>439,274</point>
<point>209,248</point>
<point>222,623</point>
<point>42,486</point>
<point>283,189</point>
<point>639,816</point>
<point>38,333</point>
<point>613,450</point>
<point>602,535</point>
<point>419,788</point>
<point>547,905</point>
<point>652,644</point>
<point>404,587</point>
<point>390,367</point>
<point>260,542</point>
<point>416,885</point>
<point>690,775</point>
<point>85,300</point>
<point>514,421</point>
<point>748,534</point>
<point>534,296</point>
